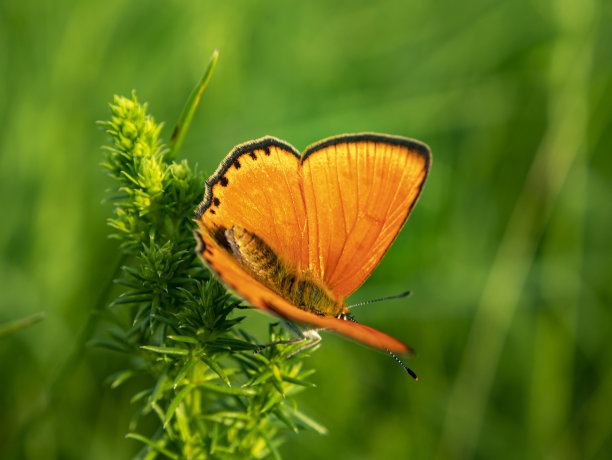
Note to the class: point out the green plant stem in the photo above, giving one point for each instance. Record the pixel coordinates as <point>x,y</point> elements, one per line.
<point>18,324</point>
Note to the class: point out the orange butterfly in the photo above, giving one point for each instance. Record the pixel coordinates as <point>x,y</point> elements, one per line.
<point>295,234</point>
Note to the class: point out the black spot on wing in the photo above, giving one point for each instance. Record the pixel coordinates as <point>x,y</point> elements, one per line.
<point>249,148</point>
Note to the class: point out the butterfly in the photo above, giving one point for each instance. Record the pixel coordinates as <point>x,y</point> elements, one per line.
<point>295,234</point>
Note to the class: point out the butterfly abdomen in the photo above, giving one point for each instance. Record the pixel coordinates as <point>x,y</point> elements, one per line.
<point>263,263</point>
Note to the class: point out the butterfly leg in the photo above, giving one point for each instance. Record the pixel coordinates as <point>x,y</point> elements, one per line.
<point>308,334</point>
<point>278,342</point>
<point>300,338</point>
<point>303,336</point>
<point>314,337</point>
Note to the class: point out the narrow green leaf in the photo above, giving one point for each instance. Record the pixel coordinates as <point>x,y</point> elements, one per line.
<point>175,403</point>
<point>246,362</point>
<point>300,382</point>
<point>131,299</point>
<point>230,323</point>
<point>116,197</point>
<point>108,344</point>
<point>160,386</point>
<point>139,324</point>
<point>169,321</point>
<point>166,350</point>
<point>226,390</point>
<point>214,438</point>
<point>159,411</point>
<point>261,378</point>
<point>176,140</point>
<point>181,281</point>
<point>121,377</point>
<point>216,368</point>
<point>140,395</point>
<point>307,421</point>
<point>129,283</point>
<point>183,420</point>
<point>154,445</point>
<point>132,271</point>
<point>13,326</point>
<point>273,450</point>
<point>183,338</point>
<point>130,178</point>
<point>119,337</point>
<point>307,373</point>
<point>274,399</point>
<point>235,344</point>
<point>283,418</point>
<point>184,370</point>
<point>277,374</point>
<point>226,414</point>
<point>279,387</point>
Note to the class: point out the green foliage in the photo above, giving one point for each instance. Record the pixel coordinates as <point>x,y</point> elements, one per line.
<point>210,394</point>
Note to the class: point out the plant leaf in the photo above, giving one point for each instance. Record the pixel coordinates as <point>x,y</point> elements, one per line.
<point>154,445</point>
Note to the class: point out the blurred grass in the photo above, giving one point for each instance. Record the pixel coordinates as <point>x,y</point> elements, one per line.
<point>508,253</point>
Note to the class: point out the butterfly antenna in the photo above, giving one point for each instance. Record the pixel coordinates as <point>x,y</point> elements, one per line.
<point>382,299</point>
<point>406,368</point>
<point>393,355</point>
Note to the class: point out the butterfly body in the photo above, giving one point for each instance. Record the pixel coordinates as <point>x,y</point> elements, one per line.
<point>295,234</point>
<point>291,284</point>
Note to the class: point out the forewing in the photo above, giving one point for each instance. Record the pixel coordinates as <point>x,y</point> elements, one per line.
<point>257,187</point>
<point>359,190</point>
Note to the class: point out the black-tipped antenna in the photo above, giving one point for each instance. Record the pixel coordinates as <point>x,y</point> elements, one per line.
<point>347,317</point>
<point>382,299</point>
<point>406,368</point>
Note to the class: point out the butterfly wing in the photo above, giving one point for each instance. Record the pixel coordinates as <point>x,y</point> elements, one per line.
<point>333,212</point>
<point>356,331</point>
<point>358,190</point>
<point>222,262</point>
<point>257,187</point>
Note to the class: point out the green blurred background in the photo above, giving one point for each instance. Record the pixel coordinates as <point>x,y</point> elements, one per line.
<point>508,252</point>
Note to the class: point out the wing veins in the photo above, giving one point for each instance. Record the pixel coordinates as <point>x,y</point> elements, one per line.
<point>295,214</point>
<point>380,240</point>
<point>314,201</point>
<point>332,270</point>
<point>368,200</point>
<point>270,207</point>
